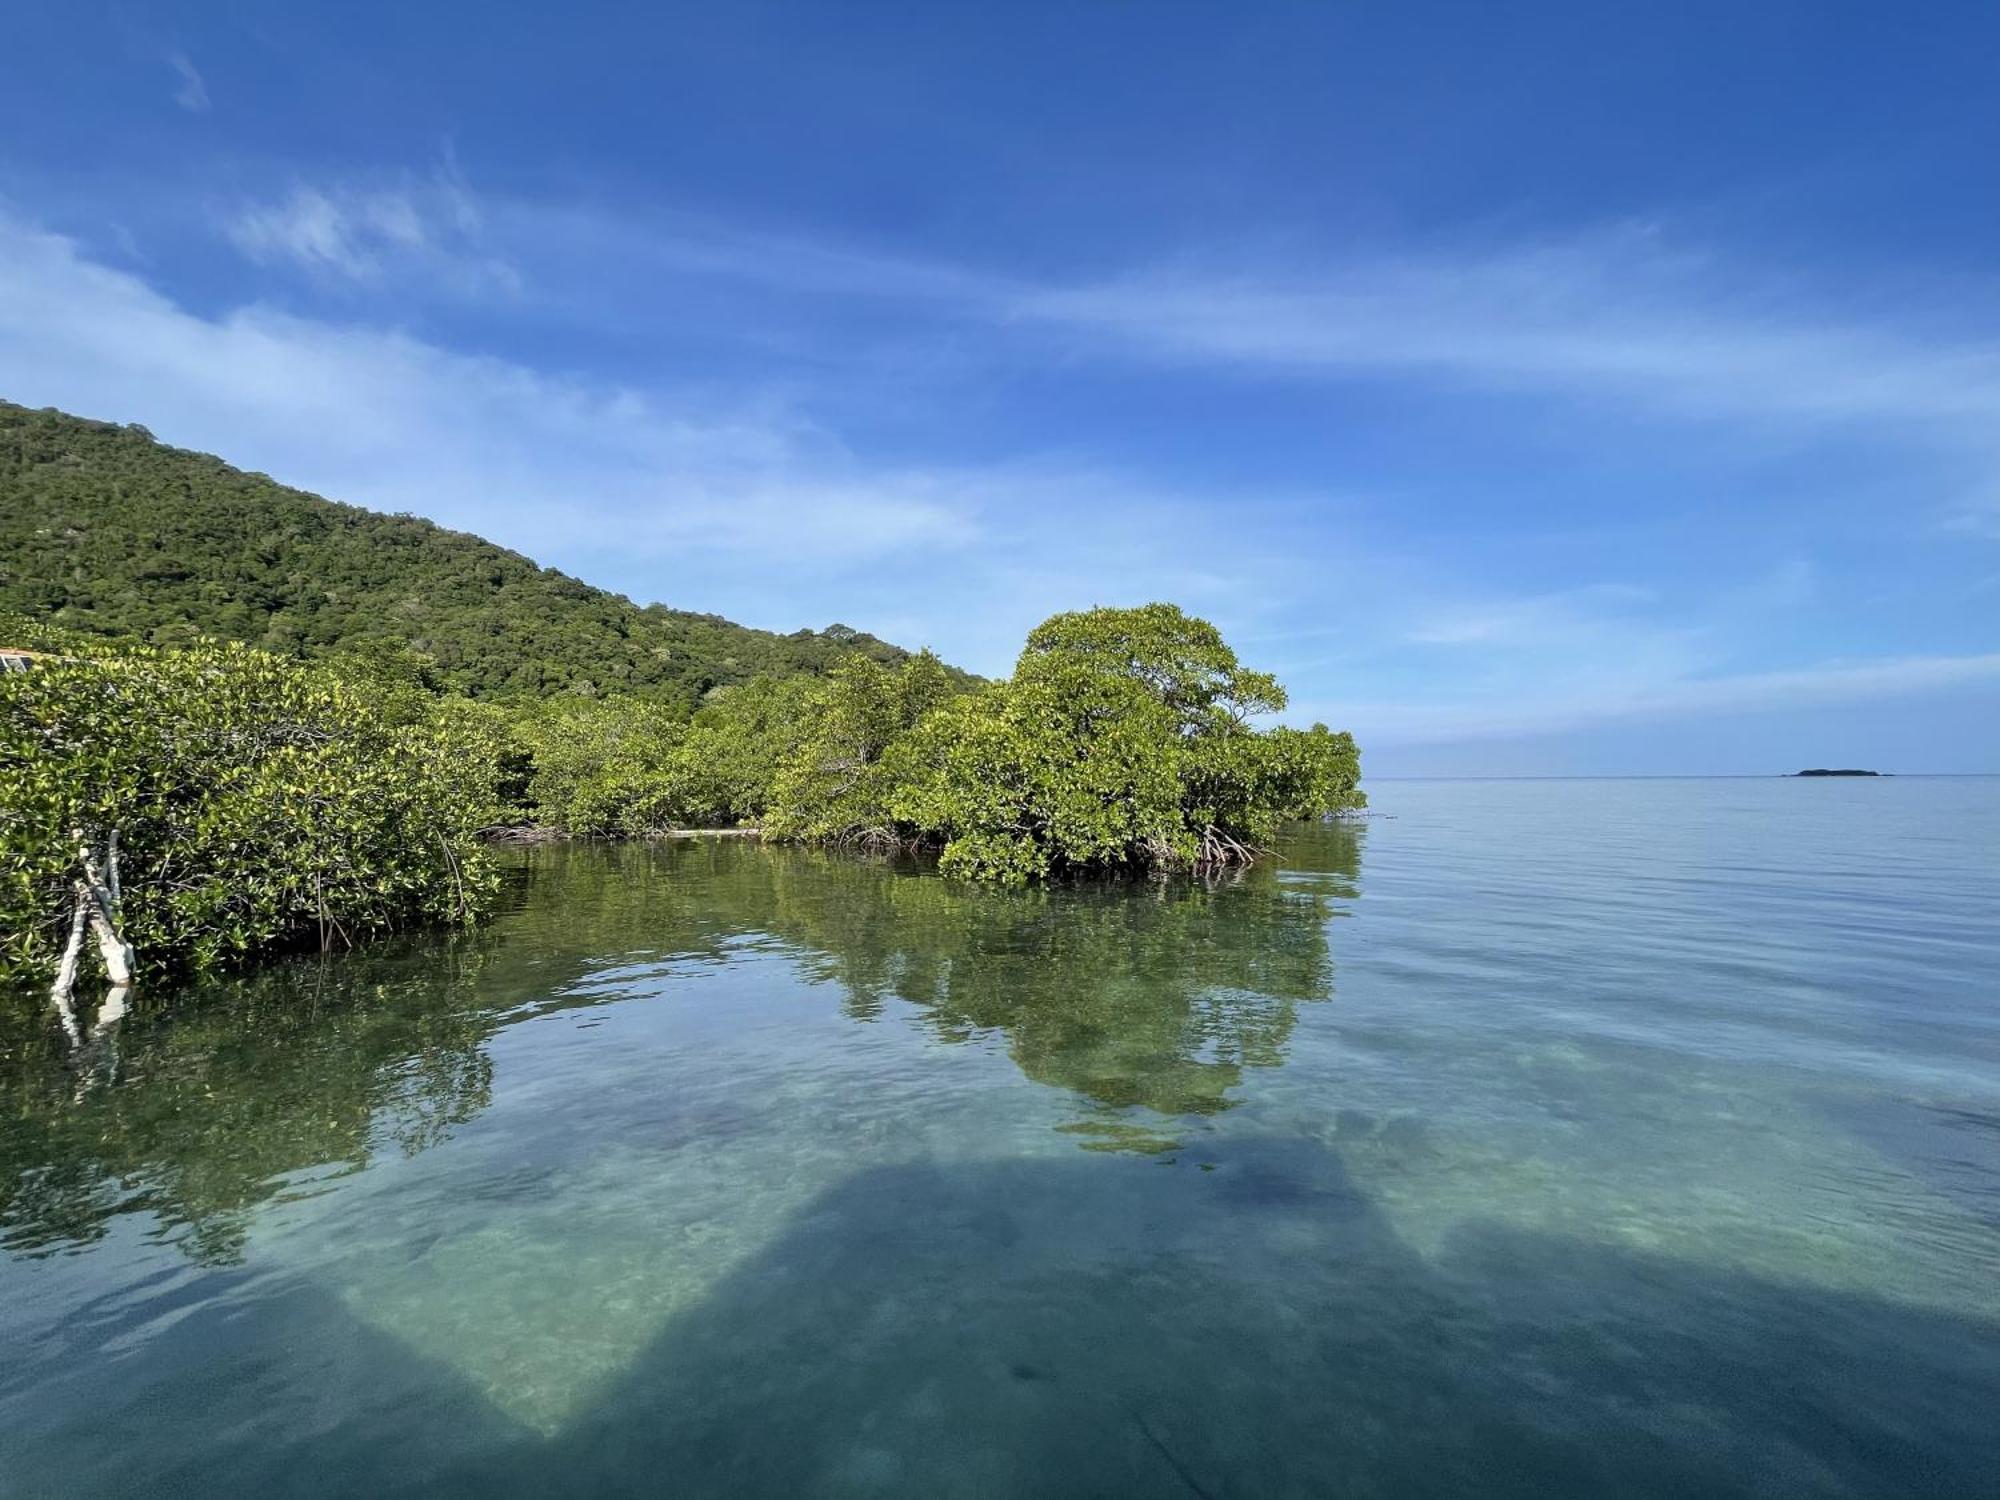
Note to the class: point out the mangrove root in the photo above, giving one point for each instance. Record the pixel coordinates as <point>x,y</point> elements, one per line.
<point>1218,850</point>
<point>97,899</point>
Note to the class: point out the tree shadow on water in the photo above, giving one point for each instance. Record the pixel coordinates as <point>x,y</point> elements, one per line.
<point>1111,1329</point>
<point>1089,1327</point>
<point>238,1387</point>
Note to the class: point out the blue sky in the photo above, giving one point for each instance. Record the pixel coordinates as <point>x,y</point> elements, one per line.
<point>1537,390</point>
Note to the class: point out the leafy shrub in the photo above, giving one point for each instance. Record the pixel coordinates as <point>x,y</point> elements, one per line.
<point>835,784</point>
<point>730,757</point>
<point>1122,740</point>
<point>258,803</point>
<point>602,766</point>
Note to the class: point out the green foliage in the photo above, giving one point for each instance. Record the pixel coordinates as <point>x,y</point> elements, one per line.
<point>1180,660</point>
<point>602,766</point>
<point>1062,768</point>
<point>105,532</point>
<point>733,750</point>
<point>258,802</point>
<point>835,783</point>
<point>1122,740</point>
<point>626,766</point>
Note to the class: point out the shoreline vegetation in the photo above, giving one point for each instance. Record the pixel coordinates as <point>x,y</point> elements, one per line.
<point>262,803</point>
<point>306,723</point>
<point>548,833</point>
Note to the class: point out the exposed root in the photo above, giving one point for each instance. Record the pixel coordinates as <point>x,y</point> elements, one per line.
<point>103,900</point>
<point>96,902</point>
<point>522,833</point>
<point>1220,850</point>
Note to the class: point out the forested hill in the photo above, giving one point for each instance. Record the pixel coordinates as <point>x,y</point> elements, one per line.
<point>106,531</point>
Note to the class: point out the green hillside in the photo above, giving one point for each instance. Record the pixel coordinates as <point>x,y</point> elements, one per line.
<point>105,531</point>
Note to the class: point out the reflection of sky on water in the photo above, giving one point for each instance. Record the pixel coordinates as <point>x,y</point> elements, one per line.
<point>1449,1081</point>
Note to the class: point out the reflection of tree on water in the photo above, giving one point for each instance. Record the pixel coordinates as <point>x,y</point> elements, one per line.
<point>198,1107</point>
<point>195,1114</point>
<point>1155,996</point>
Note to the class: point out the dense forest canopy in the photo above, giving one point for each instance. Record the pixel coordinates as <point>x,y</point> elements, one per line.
<point>106,532</point>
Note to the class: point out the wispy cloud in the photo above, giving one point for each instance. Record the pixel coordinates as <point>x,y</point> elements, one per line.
<point>1618,317</point>
<point>1620,322</point>
<point>394,422</point>
<point>430,225</point>
<point>1980,517</point>
<point>1551,710</point>
<point>308,228</point>
<point>738,503</point>
<point>1614,317</point>
<point>1527,621</point>
<point>742,500</point>
<point>192,95</point>
<point>667,242</point>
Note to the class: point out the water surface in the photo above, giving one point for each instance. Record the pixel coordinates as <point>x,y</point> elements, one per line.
<point>1528,1138</point>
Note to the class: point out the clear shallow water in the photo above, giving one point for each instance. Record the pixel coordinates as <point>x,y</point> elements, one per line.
<point>1531,1138</point>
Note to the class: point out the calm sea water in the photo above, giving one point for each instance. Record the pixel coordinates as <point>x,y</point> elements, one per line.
<point>1543,1139</point>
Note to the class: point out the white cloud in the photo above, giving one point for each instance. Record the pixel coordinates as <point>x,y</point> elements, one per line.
<point>743,504</point>
<point>192,95</point>
<point>1602,324</point>
<point>1613,318</point>
<point>740,505</point>
<point>1537,620</point>
<point>1979,517</point>
<point>429,226</point>
<point>307,228</point>
<point>668,243</point>
<point>1617,317</point>
<point>1643,697</point>
<point>389,421</point>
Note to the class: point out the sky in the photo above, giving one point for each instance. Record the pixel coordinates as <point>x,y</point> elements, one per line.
<point>1538,390</point>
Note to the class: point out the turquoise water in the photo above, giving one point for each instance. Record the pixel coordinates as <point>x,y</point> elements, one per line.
<point>1634,1138</point>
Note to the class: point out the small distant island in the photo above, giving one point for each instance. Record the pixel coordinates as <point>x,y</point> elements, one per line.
<point>1821,771</point>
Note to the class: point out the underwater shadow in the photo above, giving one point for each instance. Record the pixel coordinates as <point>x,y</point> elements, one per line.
<point>1068,1327</point>
<point>1075,1326</point>
<point>240,1388</point>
